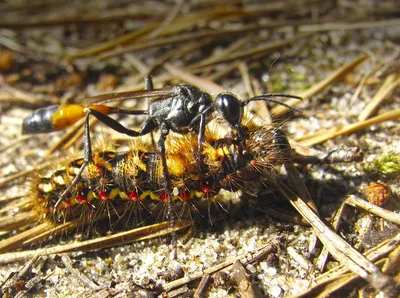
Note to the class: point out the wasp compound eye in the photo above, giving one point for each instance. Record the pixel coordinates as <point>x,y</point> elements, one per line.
<point>230,107</point>
<point>41,121</point>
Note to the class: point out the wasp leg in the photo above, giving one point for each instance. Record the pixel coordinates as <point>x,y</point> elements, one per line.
<point>164,131</point>
<point>148,126</point>
<point>200,137</point>
<point>149,86</point>
<point>87,158</point>
<point>161,150</point>
<point>201,118</point>
<point>148,83</point>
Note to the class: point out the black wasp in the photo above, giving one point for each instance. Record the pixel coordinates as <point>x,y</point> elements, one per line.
<point>181,108</point>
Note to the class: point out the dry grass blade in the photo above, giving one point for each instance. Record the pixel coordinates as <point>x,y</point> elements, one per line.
<point>13,222</point>
<point>14,143</point>
<point>129,37</point>
<point>284,215</point>
<point>338,74</point>
<point>244,72</point>
<point>174,55</point>
<point>299,259</point>
<point>189,78</point>
<point>22,202</point>
<point>37,233</point>
<point>389,85</point>
<point>76,19</point>
<point>144,233</point>
<point>216,13</point>
<point>392,263</point>
<point>44,230</point>
<point>16,242</point>
<point>324,135</point>
<point>181,23</point>
<point>263,49</point>
<point>349,26</point>
<point>337,284</point>
<point>323,256</point>
<point>69,138</point>
<point>234,46</point>
<point>40,232</point>
<point>17,93</point>
<point>164,41</point>
<point>339,249</point>
<point>299,187</point>
<point>168,20</point>
<point>374,254</point>
<point>7,181</point>
<point>9,199</point>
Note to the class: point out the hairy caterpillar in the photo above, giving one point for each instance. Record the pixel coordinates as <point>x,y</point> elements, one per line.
<point>127,187</point>
<point>128,181</point>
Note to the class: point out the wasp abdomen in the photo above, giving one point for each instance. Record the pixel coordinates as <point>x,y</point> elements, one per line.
<point>41,121</point>
<point>58,117</point>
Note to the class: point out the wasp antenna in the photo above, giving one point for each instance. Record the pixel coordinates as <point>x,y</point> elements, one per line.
<point>269,95</point>
<point>269,98</point>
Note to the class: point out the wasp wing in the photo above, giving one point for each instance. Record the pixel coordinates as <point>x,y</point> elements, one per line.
<point>154,94</point>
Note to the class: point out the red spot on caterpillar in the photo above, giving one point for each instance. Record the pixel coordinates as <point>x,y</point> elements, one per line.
<point>133,196</point>
<point>67,204</point>
<point>81,199</point>
<point>184,196</point>
<point>164,198</point>
<point>205,189</point>
<point>103,196</point>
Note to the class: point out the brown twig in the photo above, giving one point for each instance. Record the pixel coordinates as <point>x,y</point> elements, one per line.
<point>269,248</point>
<point>201,288</point>
<point>246,288</point>
<point>340,249</point>
<point>371,208</point>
